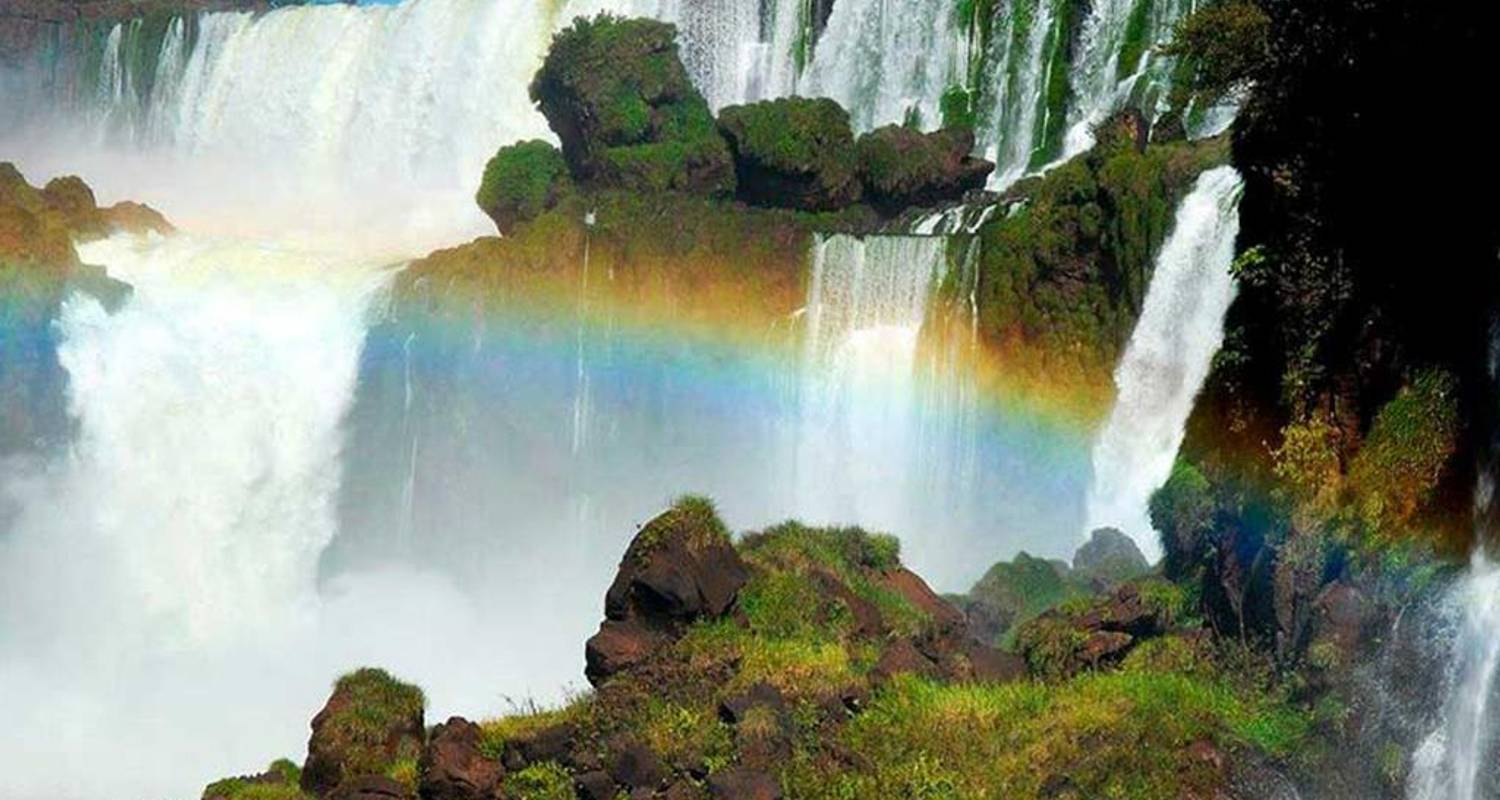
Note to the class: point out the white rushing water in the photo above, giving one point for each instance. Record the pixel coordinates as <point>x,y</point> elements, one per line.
<point>866,307</point>
<point>1449,764</point>
<point>1167,359</point>
<point>159,606</point>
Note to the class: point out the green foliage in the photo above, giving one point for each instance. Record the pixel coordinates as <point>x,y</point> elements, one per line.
<point>792,134</point>
<point>957,105</point>
<point>692,518</point>
<point>1224,44</point>
<point>1403,456</point>
<point>1182,510</point>
<point>1309,467</point>
<point>616,93</point>
<point>521,181</point>
<point>547,780</point>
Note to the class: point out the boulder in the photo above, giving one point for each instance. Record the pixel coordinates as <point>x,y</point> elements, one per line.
<point>617,95</point>
<point>738,783</point>
<point>595,785</point>
<point>453,767</point>
<point>633,764</point>
<point>681,567</point>
<point>521,181</point>
<point>1109,558</point>
<point>902,167</point>
<point>369,723</point>
<point>902,657</point>
<point>792,152</point>
<point>136,218</point>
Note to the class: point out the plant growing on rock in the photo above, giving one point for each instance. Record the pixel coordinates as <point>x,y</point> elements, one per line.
<point>521,181</point>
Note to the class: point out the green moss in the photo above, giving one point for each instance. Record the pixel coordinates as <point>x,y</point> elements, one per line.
<point>545,781</point>
<point>1182,511</point>
<point>957,106</point>
<point>523,180</point>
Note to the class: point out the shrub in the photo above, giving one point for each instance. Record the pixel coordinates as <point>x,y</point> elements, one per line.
<point>547,780</point>
<point>1224,44</point>
<point>1410,442</point>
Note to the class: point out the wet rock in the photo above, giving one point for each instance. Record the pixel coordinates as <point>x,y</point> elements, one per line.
<point>792,152</point>
<point>452,766</point>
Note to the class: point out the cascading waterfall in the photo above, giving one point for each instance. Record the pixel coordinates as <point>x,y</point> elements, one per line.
<point>866,306</point>
<point>1450,763</point>
<point>1167,359</point>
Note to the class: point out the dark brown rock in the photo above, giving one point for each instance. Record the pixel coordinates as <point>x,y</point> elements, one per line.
<point>595,785</point>
<point>743,784</point>
<point>452,766</point>
<point>370,722</point>
<point>988,665</point>
<point>633,764</point>
<point>680,567</point>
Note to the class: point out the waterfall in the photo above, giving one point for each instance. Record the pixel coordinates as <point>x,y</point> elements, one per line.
<point>866,306</point>
<point>1450,763</point>
<point>1167,359</point>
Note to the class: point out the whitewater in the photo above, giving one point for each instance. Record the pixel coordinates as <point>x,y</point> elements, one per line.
<point>307,153</point>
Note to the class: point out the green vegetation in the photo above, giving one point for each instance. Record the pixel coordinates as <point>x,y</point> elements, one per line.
<point>1124,734</point>
<point>1224,45</point>
<point>279,782</point>
<point>1182,510</point>
<point>1410,442</point>
<point>521,181</point>
<point>499,731</point>
<point>545,781</point>
<point>1063,275</point>
<point>958,107</point>
<point>618,96</point>
<point>795,152</point>
<point>1020,589</point>
<point>369,704</point>
<point>1135,44</point>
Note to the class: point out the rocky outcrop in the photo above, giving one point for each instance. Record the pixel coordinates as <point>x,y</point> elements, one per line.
<point>38,267</point>
<point>522,181</point>
<point>1108,558</point>
<point>681,567</point>
<point>1068,640</point>
<point>903,167</point>
<point>370,723</point>
<point>793,152</point>
<point>28,25</point>
<point>616,93</point>
<point>453,766</point>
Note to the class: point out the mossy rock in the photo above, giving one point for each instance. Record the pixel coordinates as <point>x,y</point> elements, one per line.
<point>371,726</point>
<point>617,95</point>
<point>793,152</point>
<point>521,181</point>
<point>278,782</point>
<point>902,167</point>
